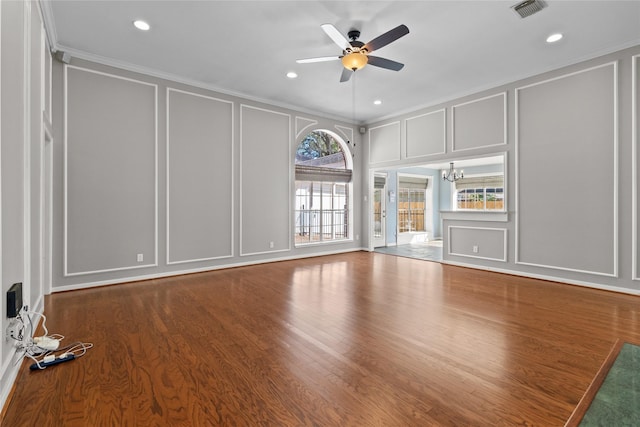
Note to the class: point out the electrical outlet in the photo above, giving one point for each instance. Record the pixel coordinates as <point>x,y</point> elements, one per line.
<point>357,237</point>
<point>475,249</point>
<point>140,257</point>
<point>13,330</point>
<point>271,244</point>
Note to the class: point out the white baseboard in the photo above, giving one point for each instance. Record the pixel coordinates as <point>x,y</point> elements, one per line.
<point>560,280</point>
<point>195,270</point>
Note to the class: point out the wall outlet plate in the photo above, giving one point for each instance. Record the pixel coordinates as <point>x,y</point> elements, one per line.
<point>11,331</point>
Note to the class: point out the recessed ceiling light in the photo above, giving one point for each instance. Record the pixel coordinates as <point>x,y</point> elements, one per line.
<point>292,74</point>
<point>554,38</point>
<point>377,102</point>
<point>141,25</point>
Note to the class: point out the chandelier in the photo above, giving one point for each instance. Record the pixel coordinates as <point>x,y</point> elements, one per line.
<point>452,175</point>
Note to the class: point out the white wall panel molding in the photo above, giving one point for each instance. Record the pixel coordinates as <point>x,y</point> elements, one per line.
<point>200,164</point>
<point>47,177</point>
<point>550,226</point>
<point>26,154</point>
<point>347,133</point>
<point>385,143</point>
<point>490,243</point>
<point>302,124</point>
<point>635,197</point>
<point>48,21</point>
<point>430,132</point>
<point>38,51</point>
<point>7,385</point>
<point>265,179</point>
<point>98,252</point>
<point>480,123</point>
<point>486,216</point>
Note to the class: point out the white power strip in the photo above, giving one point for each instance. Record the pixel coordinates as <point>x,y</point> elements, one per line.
<point>46,343</point>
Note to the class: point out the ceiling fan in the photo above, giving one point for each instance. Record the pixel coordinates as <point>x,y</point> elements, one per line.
<point>355,54</point>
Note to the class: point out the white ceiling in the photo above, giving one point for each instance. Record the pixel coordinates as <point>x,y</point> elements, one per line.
<point>454,48</point>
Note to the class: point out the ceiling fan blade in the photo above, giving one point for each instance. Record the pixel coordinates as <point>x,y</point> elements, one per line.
<point>386,38</point>
<point>346,75</point>
<point>384,63</point>
<point>319,59</point>
<point>336,36</point>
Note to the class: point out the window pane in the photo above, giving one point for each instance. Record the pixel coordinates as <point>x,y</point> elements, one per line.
<point>302,216</point>
<point>403,210</point>
<point>321,211</point>
<point>495,199</point>
<point>490,198</point>
<point>377,212</point>
<point>320,145</point>
<point>411,204</point>
<point>416,211</point>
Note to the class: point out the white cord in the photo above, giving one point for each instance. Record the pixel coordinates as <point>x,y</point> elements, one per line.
<point>31,349</point>
<point>44,322</point>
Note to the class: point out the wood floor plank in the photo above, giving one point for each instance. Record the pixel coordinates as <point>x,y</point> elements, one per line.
<point>356,339</point>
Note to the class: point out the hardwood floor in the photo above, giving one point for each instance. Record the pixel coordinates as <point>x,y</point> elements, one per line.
<point>359,339</point>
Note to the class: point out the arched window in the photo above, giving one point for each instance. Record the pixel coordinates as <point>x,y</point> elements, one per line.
<point>323,184</point>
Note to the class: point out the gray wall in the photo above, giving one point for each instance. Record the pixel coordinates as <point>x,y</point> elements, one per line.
<point>425,134</point>
<point>571,172</point>
<point>200,158</point>
<point>568,124</point>
<point>265,188</point>
<point>110,178</point>
<point>154,177</point>
<point>23,119</point>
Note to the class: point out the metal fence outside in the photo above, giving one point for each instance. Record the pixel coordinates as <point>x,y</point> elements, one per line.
<point>314,225</point>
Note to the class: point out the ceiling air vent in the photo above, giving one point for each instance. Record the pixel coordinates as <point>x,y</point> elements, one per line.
<point>528,7</point>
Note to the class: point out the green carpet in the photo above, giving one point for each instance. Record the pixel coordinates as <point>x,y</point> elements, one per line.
<point>617,402</point>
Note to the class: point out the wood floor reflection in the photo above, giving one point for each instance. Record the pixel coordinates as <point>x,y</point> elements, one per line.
<point>359,339</point>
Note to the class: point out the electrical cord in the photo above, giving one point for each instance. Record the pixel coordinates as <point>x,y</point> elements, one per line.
<point>72,351</point>
<point>44,350</point>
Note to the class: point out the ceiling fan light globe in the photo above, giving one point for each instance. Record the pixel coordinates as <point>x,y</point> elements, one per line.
<point>354,61</point>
